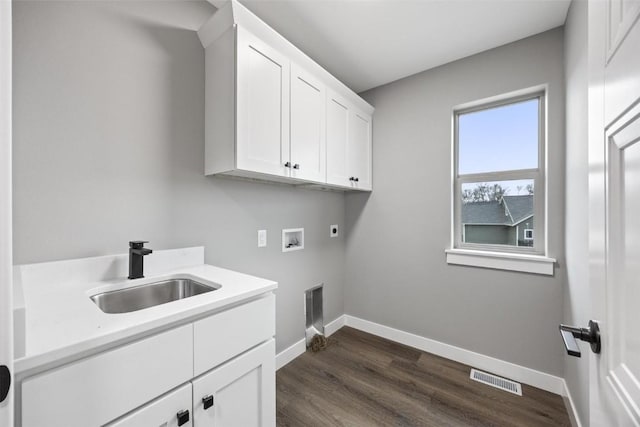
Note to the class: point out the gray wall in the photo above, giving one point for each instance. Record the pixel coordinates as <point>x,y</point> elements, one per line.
<point>109,143</point>
<point>577,303</point>
<point>396,271</point>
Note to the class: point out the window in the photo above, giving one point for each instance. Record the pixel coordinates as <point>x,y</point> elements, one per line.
<point>499,176</point>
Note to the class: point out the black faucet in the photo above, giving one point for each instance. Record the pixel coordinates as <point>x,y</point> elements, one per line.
<point>137,251</point>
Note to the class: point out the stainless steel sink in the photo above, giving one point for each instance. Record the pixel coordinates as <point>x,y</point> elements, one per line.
<point>149,295</point>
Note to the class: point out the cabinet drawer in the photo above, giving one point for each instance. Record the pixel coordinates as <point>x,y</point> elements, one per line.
<point>162,411</point>
<point>98,389</point>
<point>222,336</point>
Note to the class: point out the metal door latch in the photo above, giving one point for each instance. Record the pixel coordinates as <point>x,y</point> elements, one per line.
<point>590,335</point>
<point>5,382</point>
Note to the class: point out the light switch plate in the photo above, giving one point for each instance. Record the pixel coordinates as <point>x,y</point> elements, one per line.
<point>262,238</point>
<point>333,230</point>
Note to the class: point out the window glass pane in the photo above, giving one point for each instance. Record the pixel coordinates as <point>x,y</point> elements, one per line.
<point>498,213</point>
<point>499,139</point>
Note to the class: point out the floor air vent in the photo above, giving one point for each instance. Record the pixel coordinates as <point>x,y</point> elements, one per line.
<point>497,382</point>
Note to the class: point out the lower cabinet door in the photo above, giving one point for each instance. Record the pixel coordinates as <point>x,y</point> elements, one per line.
<point>240,393</point>
<point>171,410</point>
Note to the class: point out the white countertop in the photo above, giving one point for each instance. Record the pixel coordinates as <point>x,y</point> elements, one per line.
<point>62,323</point>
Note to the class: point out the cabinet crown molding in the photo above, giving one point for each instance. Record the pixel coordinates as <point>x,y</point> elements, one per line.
<point>232,13</point>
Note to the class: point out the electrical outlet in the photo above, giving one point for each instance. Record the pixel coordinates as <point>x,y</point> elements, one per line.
<point>262,238</point>
<point>333,230</point>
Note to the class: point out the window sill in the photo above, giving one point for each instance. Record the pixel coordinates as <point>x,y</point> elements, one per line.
<point>536,264</point>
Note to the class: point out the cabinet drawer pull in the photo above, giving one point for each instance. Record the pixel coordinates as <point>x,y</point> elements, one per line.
<point>183,417</point>
<point>207,402</point>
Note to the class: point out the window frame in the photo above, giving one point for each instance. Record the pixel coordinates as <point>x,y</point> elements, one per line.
<point>526,234</point>
<point>538,175</point>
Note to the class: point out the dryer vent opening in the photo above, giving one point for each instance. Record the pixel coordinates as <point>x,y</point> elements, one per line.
<point>313,309</point>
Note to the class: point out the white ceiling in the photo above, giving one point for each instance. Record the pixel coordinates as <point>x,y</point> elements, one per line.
<point>367,43</point>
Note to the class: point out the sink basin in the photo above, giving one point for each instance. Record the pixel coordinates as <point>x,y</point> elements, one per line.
<point>149,295</point>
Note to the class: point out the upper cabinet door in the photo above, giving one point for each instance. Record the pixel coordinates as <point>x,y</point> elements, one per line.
<point>308,144</point>
<point>262,107</point>
<point>359,150</point>
<point>337,140</point>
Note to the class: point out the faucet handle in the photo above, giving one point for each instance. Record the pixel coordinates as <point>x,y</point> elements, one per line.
<point>137,244</point>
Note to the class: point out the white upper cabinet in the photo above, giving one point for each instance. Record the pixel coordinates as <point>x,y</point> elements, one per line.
<point>337,139</point>
<point>308,118</point>
<point>272,113</point>
<point>348,144</point>
<point>262,107</point>
<point>359,150</point>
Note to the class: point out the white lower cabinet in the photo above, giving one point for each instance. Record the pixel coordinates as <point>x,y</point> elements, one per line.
<point>161,380</point>
<point>240,393</point>
<point>101,388</point>
<point>171,410</point>
<point>217,339</point>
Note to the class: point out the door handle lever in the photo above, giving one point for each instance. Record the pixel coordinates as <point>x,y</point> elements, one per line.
<point>590,335</point>
<point>5,382</point>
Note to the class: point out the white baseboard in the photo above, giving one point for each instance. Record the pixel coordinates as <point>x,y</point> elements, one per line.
<point>299,347</point>
<point>287,355</point>
<point>509,370</point>
<point>571,407</point>
<point>331,327</point>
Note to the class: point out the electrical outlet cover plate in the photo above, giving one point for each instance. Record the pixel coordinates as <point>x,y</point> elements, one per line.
<point>333,230</point>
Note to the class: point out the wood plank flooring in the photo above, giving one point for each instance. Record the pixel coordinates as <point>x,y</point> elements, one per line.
<point>364,380</point>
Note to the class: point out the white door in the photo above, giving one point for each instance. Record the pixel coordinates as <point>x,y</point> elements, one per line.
<point>359,150</point>
<point>614,182</point>
<point>337,140</point>
<point>171,410</point>
<point>308,143</point>
<point>6,299</point>
<point>240,393</point>
<point>262,122</point>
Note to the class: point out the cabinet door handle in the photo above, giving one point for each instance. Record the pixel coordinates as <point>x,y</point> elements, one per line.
<point>207,402</point>
<point>357,179</point>
<point>287,165</point>
<point>351,178</point>
<point>296,166</point>
<point>183,417</point>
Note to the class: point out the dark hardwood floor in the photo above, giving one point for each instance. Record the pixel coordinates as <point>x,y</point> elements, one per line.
<point>363,380</point>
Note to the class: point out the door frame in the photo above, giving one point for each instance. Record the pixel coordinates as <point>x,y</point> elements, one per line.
<point>6,240</point>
